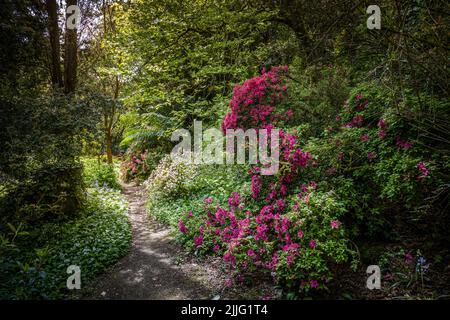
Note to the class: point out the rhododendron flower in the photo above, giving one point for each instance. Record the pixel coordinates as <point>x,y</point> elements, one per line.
<point>230,258</point>
<point>357,121</point>
<point>291,247</point>
<point>216,248</point>
<point>198,241</point>
<point>335,224</point>
<point>313,283</point>
<point>208,200</point>
<point>363,105</point>
<point>358,96</point>
<point>405,145</point>
<point>423,170</point>
<point>289,260</point>
<point>312,244</point>
<point>280,204</point>
<point>408,258</point>
<point>300,234</point>
<point>307,198</point>
<point>340,156</point>
<point>364,137</point>
<point>250,253</point>
<point>371,155</point>
<point>381,134</point>
<point>330,171</point>
<point>382,123</point>
<point>182,227</point>
<point>338,118</point>
<point>260,232</point>
<point>190,214</point>
<point>256,186</point>
<point>234,200</point>
<point>228,282</point>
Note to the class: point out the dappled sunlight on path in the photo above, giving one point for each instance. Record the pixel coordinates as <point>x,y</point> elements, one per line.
<point>149,270</point>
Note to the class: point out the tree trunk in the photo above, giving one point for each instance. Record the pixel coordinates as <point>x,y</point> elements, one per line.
<point>70,59</point>
<point>53,30</point>
<point>109,147</point>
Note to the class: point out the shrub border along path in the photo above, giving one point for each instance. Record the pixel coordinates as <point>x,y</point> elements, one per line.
<point>149,270</point>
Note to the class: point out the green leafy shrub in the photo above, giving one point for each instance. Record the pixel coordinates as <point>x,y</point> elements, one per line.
<point>175,188</point>
<point>98,173</point>
<point>171,177</point>
<point>373,161</point>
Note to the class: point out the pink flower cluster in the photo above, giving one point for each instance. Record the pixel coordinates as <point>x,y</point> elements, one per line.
<point>253,102</point>
<point>405,145</point>
<point>424,172</point>
<point>136,164</point>
<point>357,121</point>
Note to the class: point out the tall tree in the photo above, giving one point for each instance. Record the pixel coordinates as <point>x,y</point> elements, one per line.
<point>70,56</point>
<point>52,11</point>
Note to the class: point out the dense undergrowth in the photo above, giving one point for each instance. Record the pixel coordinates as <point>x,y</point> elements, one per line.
<point>33,262</point>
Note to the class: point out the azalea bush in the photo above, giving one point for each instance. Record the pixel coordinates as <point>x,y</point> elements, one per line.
<point>296,245</point>
<point>292,230</point>
<point>259,102</point>
<point>136,167</point>
<point>370,158</point>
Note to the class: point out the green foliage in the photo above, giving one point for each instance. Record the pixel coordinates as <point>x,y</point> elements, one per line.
<point>175,188</point>
<point>373,166</point>
<point>39,160</point>
<point>314,220</point>
<point>99,173</point>
<point>33,264</point>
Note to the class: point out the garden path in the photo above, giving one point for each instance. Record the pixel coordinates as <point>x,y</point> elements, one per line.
<point>150,269</point>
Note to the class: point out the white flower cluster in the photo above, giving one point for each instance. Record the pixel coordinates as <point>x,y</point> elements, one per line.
<point>171,176</point>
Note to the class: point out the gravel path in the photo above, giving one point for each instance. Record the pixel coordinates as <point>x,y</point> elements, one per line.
<point>149,271</point>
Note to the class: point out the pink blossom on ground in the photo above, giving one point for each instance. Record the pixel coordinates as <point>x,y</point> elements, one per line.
<point>228,282</point>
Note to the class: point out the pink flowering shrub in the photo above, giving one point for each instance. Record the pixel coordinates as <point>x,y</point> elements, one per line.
<point>371,161</point>
<point>292,231</point>
<point>296,241</point>
<point>257,103</point>
<point>136,167</point>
